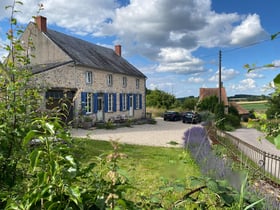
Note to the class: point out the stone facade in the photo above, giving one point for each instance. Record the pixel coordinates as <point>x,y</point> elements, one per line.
<point>55,70</point>
<point>74,77</point>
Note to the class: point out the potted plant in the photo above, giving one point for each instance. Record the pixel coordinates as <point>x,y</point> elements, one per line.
<point>86,122</point>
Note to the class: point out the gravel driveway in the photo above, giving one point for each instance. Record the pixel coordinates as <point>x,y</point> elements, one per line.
<point>159,134</point>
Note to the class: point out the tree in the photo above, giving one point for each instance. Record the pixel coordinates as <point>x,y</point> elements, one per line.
<point>159,99</point>
<point>189,103</point>
<point>208,103</point>
<point>273,109</point>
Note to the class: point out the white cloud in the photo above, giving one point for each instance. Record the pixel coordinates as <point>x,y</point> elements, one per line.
<point>249,31</point>
<point>227,74</point>
<point>244,85</point>
<point>254,75</point>
<point>195,80</point>
<point>276,63</point>
<point>178,60</point>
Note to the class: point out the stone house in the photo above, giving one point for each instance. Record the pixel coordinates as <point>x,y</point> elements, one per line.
<point>97,81</point>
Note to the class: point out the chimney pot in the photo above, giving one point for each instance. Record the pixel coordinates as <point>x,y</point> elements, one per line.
<point>118,50</point>
<point>41,23</point>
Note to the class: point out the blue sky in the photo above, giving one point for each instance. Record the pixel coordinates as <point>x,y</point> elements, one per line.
<point>175,43</point>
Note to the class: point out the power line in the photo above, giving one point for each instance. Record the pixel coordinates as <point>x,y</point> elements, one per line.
<point>241,47</point>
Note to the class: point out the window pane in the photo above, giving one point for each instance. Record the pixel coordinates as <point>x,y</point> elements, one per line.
<point>89,103</point>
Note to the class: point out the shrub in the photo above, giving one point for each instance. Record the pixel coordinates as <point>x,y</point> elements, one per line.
<point>232,120</point>
<point>219,115</point>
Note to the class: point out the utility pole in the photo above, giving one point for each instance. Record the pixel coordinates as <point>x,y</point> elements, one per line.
<point>220,76</point>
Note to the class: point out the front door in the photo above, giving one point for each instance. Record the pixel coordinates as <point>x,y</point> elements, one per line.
<point>131,106</point>
<point>100,108</point>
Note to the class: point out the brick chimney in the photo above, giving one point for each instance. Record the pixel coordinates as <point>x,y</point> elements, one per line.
<point>118,50</point>
<point>41,23</point>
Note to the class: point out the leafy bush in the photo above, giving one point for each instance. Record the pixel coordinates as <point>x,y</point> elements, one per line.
<point>220,115</point>
<point>232,120</point>
<point>208,104</point>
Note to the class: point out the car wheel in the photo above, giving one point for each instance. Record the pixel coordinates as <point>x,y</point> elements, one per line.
<point>183,121</point>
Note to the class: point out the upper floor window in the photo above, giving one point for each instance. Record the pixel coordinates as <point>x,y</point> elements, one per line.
<point>124,82</point>
<point>137,83</point>
<point>110,80</point>
<point>88,77</point>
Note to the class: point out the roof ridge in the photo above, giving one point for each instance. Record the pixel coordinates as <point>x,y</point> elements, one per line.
<point>89,54</point>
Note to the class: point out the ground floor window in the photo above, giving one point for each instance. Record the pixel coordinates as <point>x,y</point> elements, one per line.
<point>110,102</point>
<point>89,103</point>
<point>138,101</point>
<point>124,102</point>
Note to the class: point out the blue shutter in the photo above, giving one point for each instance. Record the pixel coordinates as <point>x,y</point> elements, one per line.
<point>95,102</point>
<point>127,102</point>
<point>105,102</point>
<point>114,102</point>
<point>140,101</point>
<point>121,105</point>
<point>83,102</point>
<point>134,101</point>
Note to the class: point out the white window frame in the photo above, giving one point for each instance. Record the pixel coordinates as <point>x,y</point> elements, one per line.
<point>110,80</point>
<point>110,102</point>
<point>124,82</point>
<point>124,102</point>
<point>89,77</point>
<point>137,83</point>
<point>89,103</point>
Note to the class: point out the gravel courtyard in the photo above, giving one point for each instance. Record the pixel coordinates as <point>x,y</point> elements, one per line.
<point>159,134</point>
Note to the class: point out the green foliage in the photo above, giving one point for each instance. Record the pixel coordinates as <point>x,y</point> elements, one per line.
<point>52,169</point>
<point>208,104</point>
<point>189,103</point>
<point>219,111</point>
<point>273,106</point>
<point>18,107</point>
<point>159,99</point>
<point>232,110</point>
<point>203,188</point>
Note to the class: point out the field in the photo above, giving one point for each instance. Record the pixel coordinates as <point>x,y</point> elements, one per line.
<point>257,106</point>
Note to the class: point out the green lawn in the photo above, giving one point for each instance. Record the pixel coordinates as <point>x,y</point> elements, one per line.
<point>148,168</point>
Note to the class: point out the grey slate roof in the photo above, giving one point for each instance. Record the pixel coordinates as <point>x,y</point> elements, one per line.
<point>91,55</point>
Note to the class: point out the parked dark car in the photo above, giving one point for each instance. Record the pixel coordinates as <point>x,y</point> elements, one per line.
<point>191,117</point>
<point>171,116</point>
